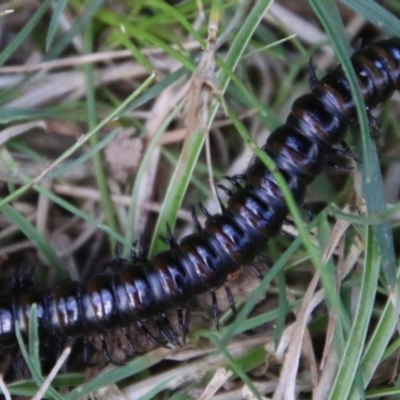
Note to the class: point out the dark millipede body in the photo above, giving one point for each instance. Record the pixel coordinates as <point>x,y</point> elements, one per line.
<point>255,212</point>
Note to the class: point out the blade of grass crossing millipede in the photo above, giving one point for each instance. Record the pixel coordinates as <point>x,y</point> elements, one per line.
<point>202,91</point>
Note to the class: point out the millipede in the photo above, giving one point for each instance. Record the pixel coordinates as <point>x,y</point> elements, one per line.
<point>143,290</point>
<point>255,212</point>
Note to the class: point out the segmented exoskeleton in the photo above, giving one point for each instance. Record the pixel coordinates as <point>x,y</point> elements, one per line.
<point>255,212</point>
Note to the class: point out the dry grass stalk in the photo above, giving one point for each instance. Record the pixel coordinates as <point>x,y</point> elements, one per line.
<point>202,91</point>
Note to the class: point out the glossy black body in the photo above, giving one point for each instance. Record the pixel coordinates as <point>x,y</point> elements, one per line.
<point>255,212</point>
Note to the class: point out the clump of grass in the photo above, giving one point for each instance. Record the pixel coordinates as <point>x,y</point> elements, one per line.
<point>91,138</point>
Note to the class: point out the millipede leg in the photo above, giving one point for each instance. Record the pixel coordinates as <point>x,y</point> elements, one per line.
<point>141,250</point>
<point>186,322</point>
<point>221,204</point>
<point>163,333</point>
<point>166,331</point>
<point>183,321</point>
<point>230,299</point>
<point>238,177</point>
<point>170,332</point>
<point>310,215</point>
<point>234,180</point>
<point>258,273</point>
<point>196,220</point>
<point>132,347</point>
<point>17,365</point>
<point>117,262</point>
<point>358,43</point>
<point>285,234</point>
<point>349,152</point>
<point>118,256</point>
<point>339,167</point>
<point>312,76</point>
<point>169,240</point>
<point>150,335</point>
<point>180,324</point>
<point>227,191</point>
<point>204,210</point>
<point>288,221</point>
<point>339,152</point>
<point>214,309</point>
<point>22,280</point>
<point>267,261</point>
<point>106,353</point>
<point>345,153</point>
<point>86,355</point>
<point>375,126</point>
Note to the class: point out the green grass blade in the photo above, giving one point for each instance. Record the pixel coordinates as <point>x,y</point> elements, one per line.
<point>136,53</point>
<point>376,14</point>
<point>42,243</point>
<point>236,367</point>
<point>59,7</point>
<point>10,115</point>
<point>32,365</point>
<point>106,202</point>
<point>117,374</point>
<point>81,214</point>
<point>147,96</point>
<point>177,16</point>
<point>134,209</point>
<point>156,89</point>
<point>113,115</point>
<point>348,368</point>
<point>372,179</point>
<point>145,36</point>
<point>91,8</point>
<point>190,153</point>
<point>378,343</point>
<point>65,168</point>
<point>24,33</point>
<point>375,198</point>
<point>32,358</point>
